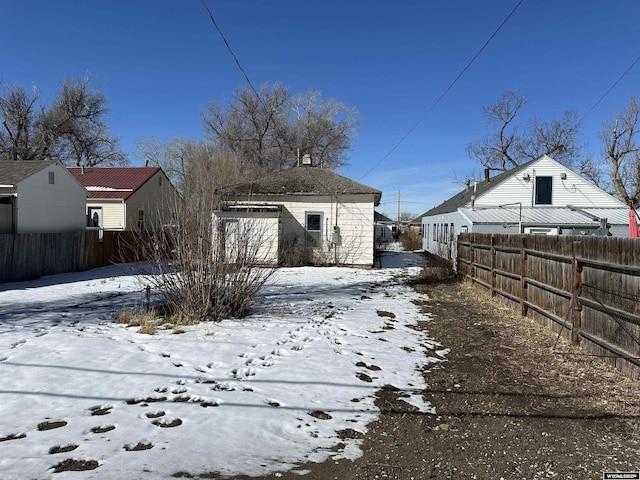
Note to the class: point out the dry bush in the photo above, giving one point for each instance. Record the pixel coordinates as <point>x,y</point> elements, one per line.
<point>411,240</point>
<point>204,266</point>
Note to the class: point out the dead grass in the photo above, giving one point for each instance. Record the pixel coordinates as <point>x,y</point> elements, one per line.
<point>148,321</point>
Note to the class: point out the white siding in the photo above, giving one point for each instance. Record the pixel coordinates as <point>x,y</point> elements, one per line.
<point>112,212</point>
<point>353,214</point>
<point>260,229</point>
<point>440,233</point>
<point>573,190</point>
<point>43,207</point>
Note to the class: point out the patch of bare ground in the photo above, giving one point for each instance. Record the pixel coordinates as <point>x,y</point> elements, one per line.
<point>509,404</point>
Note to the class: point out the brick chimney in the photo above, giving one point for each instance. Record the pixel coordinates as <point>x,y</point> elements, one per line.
<point>486,175</point>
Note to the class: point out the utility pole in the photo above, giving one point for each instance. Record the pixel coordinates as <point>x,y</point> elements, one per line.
<point>398,220</point>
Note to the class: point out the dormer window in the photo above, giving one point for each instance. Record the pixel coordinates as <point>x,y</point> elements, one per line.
<point>543,190</point>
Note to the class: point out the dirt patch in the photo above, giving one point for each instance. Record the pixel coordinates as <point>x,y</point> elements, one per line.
<point>508,405</point>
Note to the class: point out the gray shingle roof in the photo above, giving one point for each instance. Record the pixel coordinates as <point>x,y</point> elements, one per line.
<point>13,172</point>
<point>304,180</point>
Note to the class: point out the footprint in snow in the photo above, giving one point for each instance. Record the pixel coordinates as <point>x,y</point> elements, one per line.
<point>18,343</point>
<point>156,414</point>
<point>72,465</point>
<point>243,373</point>
<point>138,447</point>
<point>70,447</point>
<point>279,352</point>
<point>102,428</point>
<point>101,409</point>
<point>47,425</point>
<point>12,436</point>
<point>167,423</point>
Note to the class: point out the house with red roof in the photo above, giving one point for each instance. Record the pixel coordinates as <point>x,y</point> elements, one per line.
<point>127,198</point>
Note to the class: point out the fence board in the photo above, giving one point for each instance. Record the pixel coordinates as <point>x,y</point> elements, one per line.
<point>585,288</point>
<point>29,256</point>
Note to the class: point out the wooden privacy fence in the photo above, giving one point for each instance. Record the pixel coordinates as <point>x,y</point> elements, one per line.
<point>586,288</point>
<point>32,255</point>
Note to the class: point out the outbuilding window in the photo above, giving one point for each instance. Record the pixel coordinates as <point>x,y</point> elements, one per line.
<point>313,227</point>
<point>543,190</point>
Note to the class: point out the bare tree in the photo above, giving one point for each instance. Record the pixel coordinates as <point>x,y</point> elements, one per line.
<point>622,153</point>
<point>79,114</point>
<point>27,131</point>
<point>72,130</point>
<point>181,159</point>
<point>272,129</point>
<point>511,145</point>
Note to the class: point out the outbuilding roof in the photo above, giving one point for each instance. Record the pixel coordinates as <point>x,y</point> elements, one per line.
<point>13,172</point>
<point>305,180</point>
<point>113,182</point>
<point>560,216</point>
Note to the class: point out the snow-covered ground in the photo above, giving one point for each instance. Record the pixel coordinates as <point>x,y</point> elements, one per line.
<point>249,396</point>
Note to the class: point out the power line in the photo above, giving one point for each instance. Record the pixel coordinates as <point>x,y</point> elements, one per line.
<point>204,4</point>
<point>609,90</point>
<point>442,95</point>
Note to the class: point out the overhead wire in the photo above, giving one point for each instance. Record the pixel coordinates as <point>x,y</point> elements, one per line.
<point>610,88</point>
<point>224,39</point>
<point>444,93</point>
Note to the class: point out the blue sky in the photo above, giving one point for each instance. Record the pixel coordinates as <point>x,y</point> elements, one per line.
<point>160,62</point>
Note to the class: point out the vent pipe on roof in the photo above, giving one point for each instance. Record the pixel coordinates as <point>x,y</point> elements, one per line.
<point>82,169</point>
<point>468,184</point>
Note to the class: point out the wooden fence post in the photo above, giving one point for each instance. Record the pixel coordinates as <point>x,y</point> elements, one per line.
<point>492,279</point>
<point>576,312</point>
<point>523,276</point>
<point>472,257</point>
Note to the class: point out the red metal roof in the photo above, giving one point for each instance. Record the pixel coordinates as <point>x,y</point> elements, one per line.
<point>113,182</point>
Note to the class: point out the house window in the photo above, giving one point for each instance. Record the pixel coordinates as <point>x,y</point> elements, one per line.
<point>52,178</point>
<point>543,190</point>
<point>141,219</point>
<point>313,227</point>
<point>94,217</point>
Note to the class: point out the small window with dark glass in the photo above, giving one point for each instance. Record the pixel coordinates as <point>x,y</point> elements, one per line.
<point>543,190</point>
<point>313,227</point>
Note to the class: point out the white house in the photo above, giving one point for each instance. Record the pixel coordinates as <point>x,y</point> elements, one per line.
<point>308,214</point>
<point>541,197</point>
<point>40,197</point>
<point>126,198</point>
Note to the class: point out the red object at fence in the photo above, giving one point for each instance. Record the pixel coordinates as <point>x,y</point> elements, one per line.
<point>634,232</point>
